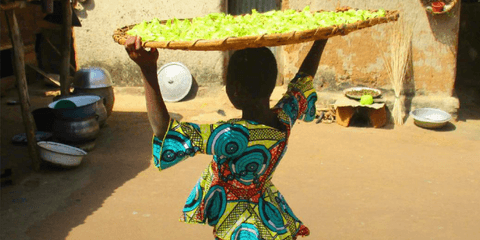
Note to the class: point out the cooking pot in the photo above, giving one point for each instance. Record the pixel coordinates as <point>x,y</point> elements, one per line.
<point>101,112</point>
<point>77,130</point>
<point>97,81</point>
<point>100,108</point>
<point>85,146</point>
<point>106,93</point>
<point>85,107</point>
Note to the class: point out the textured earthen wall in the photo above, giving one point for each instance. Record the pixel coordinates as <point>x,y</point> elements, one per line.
<point>356,59</point>
<point>95,46</point>
<point>350,60</point>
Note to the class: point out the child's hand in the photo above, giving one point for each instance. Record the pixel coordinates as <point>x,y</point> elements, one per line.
<point>139,55</point>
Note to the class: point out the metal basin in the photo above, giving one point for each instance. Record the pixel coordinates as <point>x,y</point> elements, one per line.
<point>61,154</point>
<point>106,93</point>
<point>100,109</point>
<point>86,106</point>
<point>430,117</point>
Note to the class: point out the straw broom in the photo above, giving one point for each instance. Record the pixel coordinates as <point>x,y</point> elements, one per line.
<point>397,65</point>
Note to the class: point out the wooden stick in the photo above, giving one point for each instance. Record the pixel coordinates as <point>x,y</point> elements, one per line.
<point>58,52</point>
<point>67,43</point>
<point>53,81</point>
<point>19,66</point>
<point>47,6</point>
<point>74,49</point>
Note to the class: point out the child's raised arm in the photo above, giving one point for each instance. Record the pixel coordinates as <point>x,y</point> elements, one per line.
<point>147,61</point>
<point>311,61</point>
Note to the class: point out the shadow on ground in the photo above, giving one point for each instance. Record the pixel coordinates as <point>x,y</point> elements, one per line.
<point>120,155</point>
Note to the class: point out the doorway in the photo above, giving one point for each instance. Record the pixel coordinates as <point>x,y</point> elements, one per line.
<point>467,82</point>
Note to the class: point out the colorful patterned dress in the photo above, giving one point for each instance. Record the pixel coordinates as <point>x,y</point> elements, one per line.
<point>235,193</point>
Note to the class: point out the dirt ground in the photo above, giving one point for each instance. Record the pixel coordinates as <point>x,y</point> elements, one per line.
<point>343,183</point>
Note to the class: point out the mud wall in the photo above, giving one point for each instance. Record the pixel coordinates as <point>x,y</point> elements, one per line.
<point>99,19</point>
<point>356,59</point>
<point>349,60</point>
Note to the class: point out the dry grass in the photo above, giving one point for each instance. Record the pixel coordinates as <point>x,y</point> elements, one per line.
<point>396,62</point>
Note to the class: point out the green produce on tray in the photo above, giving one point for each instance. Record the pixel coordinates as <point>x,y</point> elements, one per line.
<point>220,25</point>
<point>366,99</point>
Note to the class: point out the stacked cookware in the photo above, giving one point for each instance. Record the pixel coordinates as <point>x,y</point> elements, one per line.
<point>78,124</point>
<point>96,81</point>
<point>92,100</point>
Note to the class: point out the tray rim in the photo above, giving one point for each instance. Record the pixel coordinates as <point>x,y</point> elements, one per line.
<point>265,40</point>
<point>361,88</point>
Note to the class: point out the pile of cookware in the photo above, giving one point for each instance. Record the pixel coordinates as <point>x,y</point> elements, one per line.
<point>77,118</point>
<point>78,125</point>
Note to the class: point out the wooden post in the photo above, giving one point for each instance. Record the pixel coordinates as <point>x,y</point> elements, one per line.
<point>47,6</point>
<point>67,43</point>
<point>19,67</point>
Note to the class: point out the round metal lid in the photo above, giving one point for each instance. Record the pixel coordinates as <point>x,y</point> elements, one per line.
<point>92,77</point>
<point>175,81</point>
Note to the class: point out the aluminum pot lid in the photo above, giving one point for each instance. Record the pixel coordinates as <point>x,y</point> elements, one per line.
<point>175,81</point>
<point>92,77</point>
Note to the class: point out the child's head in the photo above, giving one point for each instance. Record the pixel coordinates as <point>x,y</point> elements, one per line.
<point>251,76</point>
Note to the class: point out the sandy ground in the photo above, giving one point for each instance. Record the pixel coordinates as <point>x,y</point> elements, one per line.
<point>344,183</point>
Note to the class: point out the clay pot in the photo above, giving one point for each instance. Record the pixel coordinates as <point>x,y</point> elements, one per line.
<point>82,130</point>
<point>438,6</point>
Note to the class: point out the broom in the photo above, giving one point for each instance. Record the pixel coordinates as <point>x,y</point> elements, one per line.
<point>397,65</point>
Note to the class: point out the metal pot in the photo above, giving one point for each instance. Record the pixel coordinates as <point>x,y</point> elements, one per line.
<point>79,130</point>
<point>100,108</point>
<point>86,106</point>
<point>95,80</point>
<point>101,112</point>
<point>106,93</point>
<point>85,146</point>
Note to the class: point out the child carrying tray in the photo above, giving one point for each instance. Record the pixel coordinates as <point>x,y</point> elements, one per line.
<point>235,194</point>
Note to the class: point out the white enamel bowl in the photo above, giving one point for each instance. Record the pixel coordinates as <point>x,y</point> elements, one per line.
<point>61,154</point>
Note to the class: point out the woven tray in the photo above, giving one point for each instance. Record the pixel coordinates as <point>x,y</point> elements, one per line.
<point>267,40</point>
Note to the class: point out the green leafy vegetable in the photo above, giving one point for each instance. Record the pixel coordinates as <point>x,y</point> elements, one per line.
<point>220,25</point>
